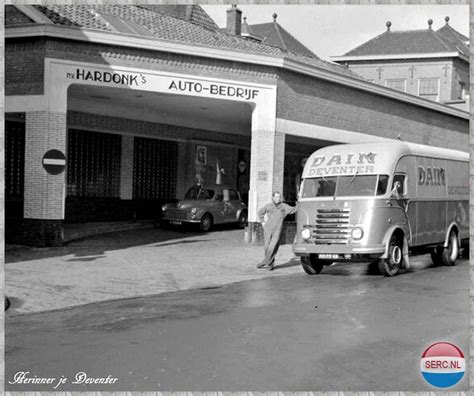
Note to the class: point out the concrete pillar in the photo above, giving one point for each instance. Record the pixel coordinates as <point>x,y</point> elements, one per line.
<point>267,160</point>
<point>45,194</point>
<point>126,168</point>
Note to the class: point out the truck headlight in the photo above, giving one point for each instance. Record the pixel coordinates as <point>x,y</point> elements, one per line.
<point>164,208</point>
<point>357,233</point>
<point>306,233</point>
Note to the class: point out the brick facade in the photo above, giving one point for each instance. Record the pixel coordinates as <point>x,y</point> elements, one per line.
<point>24,67</point>
<point>44,193</point>
<point>319,102</point>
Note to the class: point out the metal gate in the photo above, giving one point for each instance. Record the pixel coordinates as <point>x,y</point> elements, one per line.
<point>14,168</point>
<point>155,169</point>
<point>93,167</point>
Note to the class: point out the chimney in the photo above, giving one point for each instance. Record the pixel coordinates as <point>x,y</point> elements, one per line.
<point>234,21</point>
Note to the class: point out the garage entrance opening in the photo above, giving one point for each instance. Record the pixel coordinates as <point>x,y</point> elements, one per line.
<point>130,151</point>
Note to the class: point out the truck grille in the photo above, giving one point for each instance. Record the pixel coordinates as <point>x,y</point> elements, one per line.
<point>332,226</point>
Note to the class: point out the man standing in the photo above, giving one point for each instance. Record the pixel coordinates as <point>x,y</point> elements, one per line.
<point>276,213</point>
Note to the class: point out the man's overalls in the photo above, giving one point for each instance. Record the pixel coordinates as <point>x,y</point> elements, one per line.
<point>272,228</point>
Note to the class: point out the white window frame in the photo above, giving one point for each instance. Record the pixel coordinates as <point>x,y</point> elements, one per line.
<point>462,90</point>
<point>429,78</point>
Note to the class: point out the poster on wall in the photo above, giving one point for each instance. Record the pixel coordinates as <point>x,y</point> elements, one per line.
<point>201,156</point>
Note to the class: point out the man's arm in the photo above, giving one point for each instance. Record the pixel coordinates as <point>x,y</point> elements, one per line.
<point>290,209</point>
<point>261,213</point>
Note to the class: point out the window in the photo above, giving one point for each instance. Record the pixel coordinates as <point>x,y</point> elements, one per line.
<point>218,196</point>
<point>233,196</point>
<point>345,186</point>
<point>428,88</point>
<point>399,184</point>
<point>197,193</point>
<point>462,90</point>
<point>382,185</point>
<point>398,84</point>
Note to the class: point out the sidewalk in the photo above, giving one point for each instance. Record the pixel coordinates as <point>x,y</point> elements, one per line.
<point>132,264</point>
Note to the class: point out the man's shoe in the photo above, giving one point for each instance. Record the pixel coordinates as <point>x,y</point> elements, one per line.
<point>269,267</point>
<point>261,265</point>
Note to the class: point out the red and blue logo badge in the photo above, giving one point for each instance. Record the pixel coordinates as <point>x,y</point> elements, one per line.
<point>442,364</point>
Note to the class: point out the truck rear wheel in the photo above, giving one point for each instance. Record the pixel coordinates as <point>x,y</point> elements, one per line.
<point>392,264</point>
<point>312,265</point>
<point>450,253</point>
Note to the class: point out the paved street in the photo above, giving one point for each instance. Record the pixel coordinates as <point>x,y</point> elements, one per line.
<point>132,264</point>
<point>341,330</point>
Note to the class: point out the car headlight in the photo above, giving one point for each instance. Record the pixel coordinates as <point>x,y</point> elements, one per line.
<point>193,210</point>
<point>357,233</point>
<point>164,208</point>
<point>306,233</point>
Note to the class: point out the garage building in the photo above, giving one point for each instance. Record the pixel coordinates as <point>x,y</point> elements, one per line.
<point>112,110</point>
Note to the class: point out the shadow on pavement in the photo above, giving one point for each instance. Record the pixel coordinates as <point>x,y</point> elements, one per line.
<point>294,262</point>
<point>93,247</point>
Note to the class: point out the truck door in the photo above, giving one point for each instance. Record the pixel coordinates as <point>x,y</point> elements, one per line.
<point>399,197</point>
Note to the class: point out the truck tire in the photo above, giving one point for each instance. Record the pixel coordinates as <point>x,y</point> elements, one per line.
<point>392,264</point>
<point>312,265</point>
<point>450,253</point>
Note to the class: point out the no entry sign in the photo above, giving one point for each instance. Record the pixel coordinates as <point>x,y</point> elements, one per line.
<point>54,162</point>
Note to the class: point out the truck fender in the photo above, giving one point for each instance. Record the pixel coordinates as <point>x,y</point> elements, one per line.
<point>446,238</point>
<point>386,241</point>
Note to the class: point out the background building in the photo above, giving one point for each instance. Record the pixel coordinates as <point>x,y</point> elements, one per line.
<point>112,110</point>
<point>433,64</point>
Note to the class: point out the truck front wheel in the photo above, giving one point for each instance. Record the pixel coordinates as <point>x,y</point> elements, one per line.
<point>391,265</point>
<point>450,253</point>
<point>312,265</point>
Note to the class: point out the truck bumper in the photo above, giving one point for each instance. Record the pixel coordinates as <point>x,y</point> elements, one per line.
<point>306,249</point>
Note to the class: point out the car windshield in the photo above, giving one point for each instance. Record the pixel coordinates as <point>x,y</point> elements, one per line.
<point>345,186</point>
<point>199,193</point>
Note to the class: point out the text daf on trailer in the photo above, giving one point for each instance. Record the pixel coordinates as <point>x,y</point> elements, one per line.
<point>366,202</point>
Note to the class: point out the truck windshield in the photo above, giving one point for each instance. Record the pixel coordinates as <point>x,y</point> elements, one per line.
<point>345,186</point>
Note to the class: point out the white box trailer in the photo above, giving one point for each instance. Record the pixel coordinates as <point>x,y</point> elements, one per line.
<point>367,202</point>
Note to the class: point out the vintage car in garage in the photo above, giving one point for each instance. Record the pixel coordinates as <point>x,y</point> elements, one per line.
<point>205,207</point>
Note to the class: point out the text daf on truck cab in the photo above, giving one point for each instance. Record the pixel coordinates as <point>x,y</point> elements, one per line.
<point>367,202</point>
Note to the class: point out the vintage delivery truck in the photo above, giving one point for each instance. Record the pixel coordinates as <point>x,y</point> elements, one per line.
<point>375,202</point>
